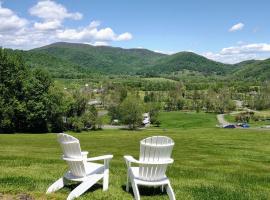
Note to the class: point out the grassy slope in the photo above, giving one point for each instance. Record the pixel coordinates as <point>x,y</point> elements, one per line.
<point>209,163</point>
<point>187,120</point>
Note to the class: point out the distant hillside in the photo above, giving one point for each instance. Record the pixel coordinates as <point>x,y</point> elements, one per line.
<point>112,60</point>
<point>254,70</point>
<point>56,66</point>
<point>104,59</point>
<point>189,61</point>
<point>72,60</point>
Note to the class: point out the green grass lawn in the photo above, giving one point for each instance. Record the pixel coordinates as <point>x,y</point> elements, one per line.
<point>210,163</point>
<point>187,120</point>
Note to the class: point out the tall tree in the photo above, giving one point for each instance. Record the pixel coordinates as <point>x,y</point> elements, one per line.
<point>131,110</point>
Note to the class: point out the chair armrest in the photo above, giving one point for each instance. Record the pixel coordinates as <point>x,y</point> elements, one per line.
<point>84,154</point>
<point>105,157</point>
<point>130,159</point>
<point>71,159</point>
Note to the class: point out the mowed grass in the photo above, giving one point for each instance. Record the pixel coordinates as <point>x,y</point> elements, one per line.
<point>210,163</point>
<point>187,120</point>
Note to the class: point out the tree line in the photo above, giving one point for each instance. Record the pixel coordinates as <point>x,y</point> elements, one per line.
<point>30,101</point>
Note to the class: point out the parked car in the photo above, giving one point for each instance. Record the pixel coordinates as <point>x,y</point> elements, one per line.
<point>229,126</point>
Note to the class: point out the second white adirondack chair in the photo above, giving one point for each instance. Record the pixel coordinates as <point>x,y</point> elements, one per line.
<point>81,168</point>
<point>155,155</point>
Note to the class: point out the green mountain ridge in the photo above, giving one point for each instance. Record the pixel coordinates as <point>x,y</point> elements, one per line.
<point>103,59</point>
<point>67,60</point>
<point>256,70</point>
<point>190,61</point>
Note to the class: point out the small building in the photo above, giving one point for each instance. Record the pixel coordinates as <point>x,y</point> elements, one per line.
<point>94,102</point>
<point>146,119</point>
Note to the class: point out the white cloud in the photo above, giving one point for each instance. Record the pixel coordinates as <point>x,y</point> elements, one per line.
<point>100,43</point>
<point>235,54</point>
<point>103,34</point>
<point>48,27</point>
<point>94,24</point>
<point>124,36</point>
<point>248,48</point>
<point>164,52</point>
<point>237,27</point>
<point>52,15</point>
<point>10,21</point>
<point>92,33</point>
<point>50,10</point>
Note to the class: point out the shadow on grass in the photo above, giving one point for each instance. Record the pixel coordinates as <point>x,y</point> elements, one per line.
<point>146,191</point>
<point>72,186</point>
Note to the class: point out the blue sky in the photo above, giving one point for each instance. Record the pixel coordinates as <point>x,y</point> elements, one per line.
<point>227,31</point>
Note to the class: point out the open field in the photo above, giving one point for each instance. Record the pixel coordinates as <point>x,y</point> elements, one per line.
<point>210,163</point>
<point>155,79</point>
<point>187,120</point>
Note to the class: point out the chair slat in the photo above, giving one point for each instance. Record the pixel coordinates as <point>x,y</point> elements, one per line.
<point>71,149</point>
<point>156,148</point>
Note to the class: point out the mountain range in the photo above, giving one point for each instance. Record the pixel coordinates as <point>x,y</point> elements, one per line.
<point>70,60</point>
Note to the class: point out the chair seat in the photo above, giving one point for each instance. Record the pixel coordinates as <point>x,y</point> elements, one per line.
<point>91,168</point>
<point>141,181</point>
<point>94,168</point>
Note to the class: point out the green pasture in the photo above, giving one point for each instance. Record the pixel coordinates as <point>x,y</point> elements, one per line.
<point>210,163</point>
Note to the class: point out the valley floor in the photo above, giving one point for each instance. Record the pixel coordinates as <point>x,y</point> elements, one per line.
<point>210,163</point>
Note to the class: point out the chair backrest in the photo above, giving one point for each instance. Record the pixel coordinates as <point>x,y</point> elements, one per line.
<point>71,149</point>
<point>154,149</point>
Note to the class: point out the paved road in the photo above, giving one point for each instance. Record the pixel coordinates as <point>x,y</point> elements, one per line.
<point>106,126</point>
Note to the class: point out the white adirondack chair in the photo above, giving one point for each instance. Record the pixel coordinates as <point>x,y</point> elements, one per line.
<point>81,168</point>
<point>155,155</point>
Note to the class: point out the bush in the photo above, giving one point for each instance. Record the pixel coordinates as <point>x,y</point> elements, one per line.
<point>75,124</point>
<point>243,118</point>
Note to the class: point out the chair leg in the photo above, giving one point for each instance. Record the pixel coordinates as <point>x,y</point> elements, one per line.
<point>162,188</point>
<point>80,189</point>
<point>57,185</point>
<point>127,185</point>
<point>170,191</point>
<point>106,181</point>
<point>106,176</point>
<point>135,190</point>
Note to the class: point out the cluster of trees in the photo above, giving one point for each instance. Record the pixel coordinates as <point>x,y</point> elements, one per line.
<point>25,102</point>
<point>128,107</point>
<point>179,98</point>
<point>209,94</point>
<point>260,99</point>
<point>31,102</point>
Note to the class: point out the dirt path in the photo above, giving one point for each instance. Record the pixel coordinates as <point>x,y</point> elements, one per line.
<point>221,120</point>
